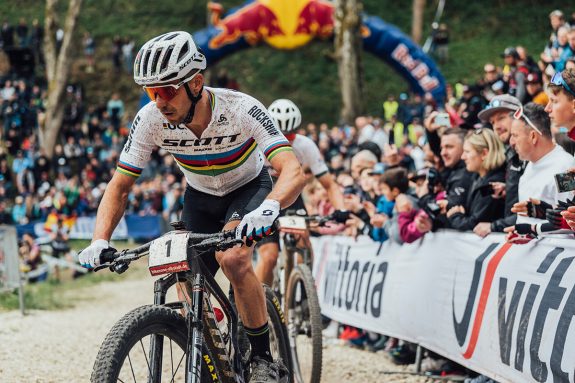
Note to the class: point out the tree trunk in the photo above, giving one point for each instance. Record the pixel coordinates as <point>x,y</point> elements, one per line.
<point>57,70</point>
<point>348,48</point>
<point>417,23</point>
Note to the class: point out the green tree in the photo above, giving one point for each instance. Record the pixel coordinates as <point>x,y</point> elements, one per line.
<point>58,62</point>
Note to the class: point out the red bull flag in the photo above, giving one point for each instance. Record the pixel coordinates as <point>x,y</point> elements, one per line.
<point>289,24</point>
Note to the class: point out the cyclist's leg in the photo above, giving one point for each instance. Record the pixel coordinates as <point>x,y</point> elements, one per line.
<point>236,264</point>
<point>202,213</point>
<point>268,251</point>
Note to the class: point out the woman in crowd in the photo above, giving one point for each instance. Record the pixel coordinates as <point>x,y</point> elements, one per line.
<point>484,155</point>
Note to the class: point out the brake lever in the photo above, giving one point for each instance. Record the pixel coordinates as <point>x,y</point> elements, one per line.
<point>101,267</point>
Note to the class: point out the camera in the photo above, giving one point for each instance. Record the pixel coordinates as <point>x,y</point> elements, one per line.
<point>565,182</point>
<point>432,180</point>
<point>432,209</point>
<point>350,189</point>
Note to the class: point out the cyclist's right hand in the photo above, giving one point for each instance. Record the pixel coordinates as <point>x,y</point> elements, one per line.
<point>90,256</point>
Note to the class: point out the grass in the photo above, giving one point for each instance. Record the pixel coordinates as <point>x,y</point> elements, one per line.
<point>53,295</point>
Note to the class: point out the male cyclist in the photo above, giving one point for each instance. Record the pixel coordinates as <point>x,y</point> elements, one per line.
<point>287,117</point>
<point>219,139</point>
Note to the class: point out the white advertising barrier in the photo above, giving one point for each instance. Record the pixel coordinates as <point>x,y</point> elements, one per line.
<point>84,229</point>
<point>9,259</point>
<point>500,309</point>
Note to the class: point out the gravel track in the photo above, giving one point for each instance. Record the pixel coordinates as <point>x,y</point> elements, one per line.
<point>61,346</point>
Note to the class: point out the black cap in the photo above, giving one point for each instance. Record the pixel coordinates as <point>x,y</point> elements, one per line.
<point>510,51</point>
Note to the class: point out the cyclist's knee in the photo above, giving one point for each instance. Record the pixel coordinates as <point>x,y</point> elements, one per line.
<point>269,253</point>
<point>236,262</point>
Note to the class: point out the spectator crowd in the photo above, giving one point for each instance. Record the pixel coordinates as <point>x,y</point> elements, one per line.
<point>483,161</point>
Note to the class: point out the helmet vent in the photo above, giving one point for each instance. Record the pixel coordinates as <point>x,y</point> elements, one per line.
<point>169,77</point>
<point>166,59</point>
<point>184,51</point>
<point>159,37</point>
<point>155,61</point>
<point>171,37</point>
<point>145,62</point>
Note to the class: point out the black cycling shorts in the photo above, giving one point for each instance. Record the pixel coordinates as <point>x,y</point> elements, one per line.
<point>206,213</point>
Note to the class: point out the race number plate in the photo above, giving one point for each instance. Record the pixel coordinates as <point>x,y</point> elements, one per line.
<point>168,254</point>
<point>291,224</point>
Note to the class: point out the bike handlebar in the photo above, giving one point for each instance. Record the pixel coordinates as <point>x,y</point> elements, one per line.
<point>118,261</point>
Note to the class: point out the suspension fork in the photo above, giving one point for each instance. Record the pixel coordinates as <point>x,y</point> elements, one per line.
<point>161,287</point>
<point>195,329</point>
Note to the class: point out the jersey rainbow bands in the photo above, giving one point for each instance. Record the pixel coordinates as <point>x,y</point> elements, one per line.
<point>229,154</point>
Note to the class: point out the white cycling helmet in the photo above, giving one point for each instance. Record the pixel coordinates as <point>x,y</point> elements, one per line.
<point>286,115</point>
<point>168,57</point>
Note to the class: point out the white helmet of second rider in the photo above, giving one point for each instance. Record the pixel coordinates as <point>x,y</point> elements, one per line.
<point>286,114</point>
<point>166,58</point>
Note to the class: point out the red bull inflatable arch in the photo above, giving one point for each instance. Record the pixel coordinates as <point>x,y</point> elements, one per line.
<point>289,24</point>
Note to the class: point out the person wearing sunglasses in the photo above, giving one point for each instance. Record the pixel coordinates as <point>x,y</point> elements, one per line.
<point>531,138</point>
<point>484,155</point>
<point>561,106</point>
<point>220,140</point>
<point>561,109</point>
<point>498,114</point>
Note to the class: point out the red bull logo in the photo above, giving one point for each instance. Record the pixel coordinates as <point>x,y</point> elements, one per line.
<point>283,24</point>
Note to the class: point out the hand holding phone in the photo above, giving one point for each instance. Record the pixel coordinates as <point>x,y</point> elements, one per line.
<point>442,119</point>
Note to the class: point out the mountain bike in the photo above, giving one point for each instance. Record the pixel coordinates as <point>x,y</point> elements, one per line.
<point>192,340</point>
<point>295,285</point>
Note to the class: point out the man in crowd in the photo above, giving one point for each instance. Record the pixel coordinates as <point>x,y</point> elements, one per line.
<point>456,178</point>
<point>515,73</point>
<point>532,140</point>
<point>498,114</point>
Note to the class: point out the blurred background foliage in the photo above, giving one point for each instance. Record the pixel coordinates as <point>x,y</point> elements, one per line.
<point>479,31</point>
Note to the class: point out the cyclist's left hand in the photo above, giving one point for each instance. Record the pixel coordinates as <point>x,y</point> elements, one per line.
<point>258,223</point>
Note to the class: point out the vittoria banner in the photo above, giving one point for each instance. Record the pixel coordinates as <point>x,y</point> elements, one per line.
<point>500,309</point>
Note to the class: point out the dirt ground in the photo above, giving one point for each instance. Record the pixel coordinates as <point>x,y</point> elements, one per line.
<point>61,346</point>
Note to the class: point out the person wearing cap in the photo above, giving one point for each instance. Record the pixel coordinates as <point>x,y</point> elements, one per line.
<point>498,114</point>
<point>535,89</point>
<point>515,72</point>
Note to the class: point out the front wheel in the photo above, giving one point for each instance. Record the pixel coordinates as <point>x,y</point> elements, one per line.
<point>304,325</point>
<point>147,342</point>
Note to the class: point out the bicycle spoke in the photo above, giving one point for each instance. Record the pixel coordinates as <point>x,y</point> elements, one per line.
<point>178,367</point>
<point>131,368</point>
<point>172,360</point>
<point>146,357</point>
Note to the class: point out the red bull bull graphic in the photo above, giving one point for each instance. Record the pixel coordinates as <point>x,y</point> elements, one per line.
<point>283,24</point>
<point>289,24</point>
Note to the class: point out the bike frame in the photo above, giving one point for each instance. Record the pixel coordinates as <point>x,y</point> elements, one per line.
<point>291,247</point>
<point>198,284</point>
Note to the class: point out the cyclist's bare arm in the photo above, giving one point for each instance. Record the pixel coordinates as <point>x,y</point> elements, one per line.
<point>113,205</point>
<point>333,191</point>
<point>290,180</point>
